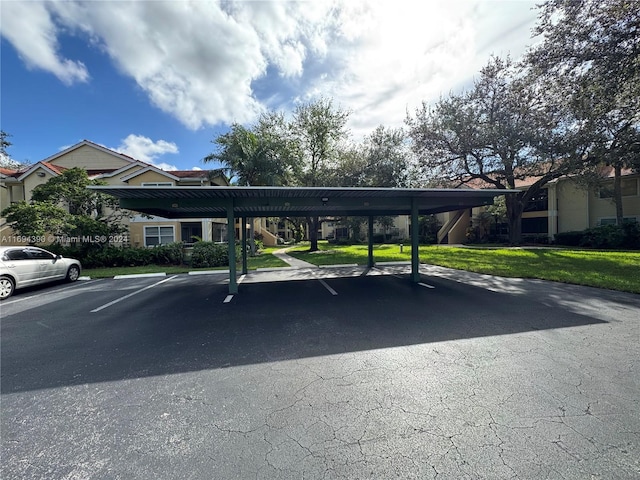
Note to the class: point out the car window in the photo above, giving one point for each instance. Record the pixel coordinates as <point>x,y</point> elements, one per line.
<point>40,254</point>
<point>17,254</point>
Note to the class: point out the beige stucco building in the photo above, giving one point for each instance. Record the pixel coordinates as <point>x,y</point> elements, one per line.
<point>115,169</point>
<point>563,205</point>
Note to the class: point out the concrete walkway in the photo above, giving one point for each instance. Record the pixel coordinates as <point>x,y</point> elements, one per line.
<point>294,262</point>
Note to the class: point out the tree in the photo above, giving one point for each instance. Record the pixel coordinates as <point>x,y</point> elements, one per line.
<point>388,158</point>
<point>501,131</point>
<point>382,159</point>
<point>386,223</point>
<point>63,206</point>
<point>260,155</point>
<point>590,54</point>
<point>4,143</point>
<point>36,221</point>
<point>319,130</point>
<point>5,159</point>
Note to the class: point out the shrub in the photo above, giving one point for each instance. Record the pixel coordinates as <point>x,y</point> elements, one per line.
<point>378,238</point>
<point>209,254</point>
<point>632,235</point>
<point>98,256</point>
<point>569,239</point>
<point>535,238</point>
<point>259,245</point>
<point>604,236</point>
<point>169,254</point>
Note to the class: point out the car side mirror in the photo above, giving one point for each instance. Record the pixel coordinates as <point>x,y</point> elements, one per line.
<point>58,257</point>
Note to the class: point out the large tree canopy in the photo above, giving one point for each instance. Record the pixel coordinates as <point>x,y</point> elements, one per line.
<point>499,132</point>
<point>319,130</point>
<point>381,159</point>
<point>590,56</point>
<point>258,155</point>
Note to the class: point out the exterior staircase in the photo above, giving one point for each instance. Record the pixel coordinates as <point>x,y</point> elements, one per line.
<point>454,220</point>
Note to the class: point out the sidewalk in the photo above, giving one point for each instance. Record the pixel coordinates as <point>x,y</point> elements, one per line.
<point>294,262</point>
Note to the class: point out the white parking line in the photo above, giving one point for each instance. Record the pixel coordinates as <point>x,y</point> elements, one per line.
<point>106,305</point>
<point>333,292</point>
<point>22,299</point>
<point>47,292</point>
<point>425,285</point>
<point>228,298</point>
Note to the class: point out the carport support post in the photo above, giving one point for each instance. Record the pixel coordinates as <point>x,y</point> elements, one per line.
<point>244,245</point>
<point>415,257</point>
<point>370,262</point>
<point>231,239</point>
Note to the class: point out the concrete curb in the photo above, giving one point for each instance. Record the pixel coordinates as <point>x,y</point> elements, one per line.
<point>208,272</point>
<point>139,275</point>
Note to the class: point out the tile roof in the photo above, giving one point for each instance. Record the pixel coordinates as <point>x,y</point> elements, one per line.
<point>189,173</point>
<point>606,171</point>
<point>55,168</point>
<point>8,171</point>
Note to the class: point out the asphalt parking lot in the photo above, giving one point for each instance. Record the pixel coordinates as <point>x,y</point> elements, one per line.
<point>324,373</point>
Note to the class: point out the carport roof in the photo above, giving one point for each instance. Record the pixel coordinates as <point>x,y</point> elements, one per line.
<point>206,201</point>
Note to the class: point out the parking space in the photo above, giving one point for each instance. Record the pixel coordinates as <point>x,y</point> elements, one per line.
<point>323,373</point>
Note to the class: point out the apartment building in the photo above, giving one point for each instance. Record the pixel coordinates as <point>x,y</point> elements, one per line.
<point>115,169</point>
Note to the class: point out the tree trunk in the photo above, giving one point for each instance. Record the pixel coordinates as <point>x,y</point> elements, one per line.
<point>252,240</point>
<point>617,193</point>
<point>312,222</point>
<point>514,217</point>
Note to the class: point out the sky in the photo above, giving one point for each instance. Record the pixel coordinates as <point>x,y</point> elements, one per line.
<point>160,80</point>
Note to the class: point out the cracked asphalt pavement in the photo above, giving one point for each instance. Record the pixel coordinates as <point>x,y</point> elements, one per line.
<point>466,376</point>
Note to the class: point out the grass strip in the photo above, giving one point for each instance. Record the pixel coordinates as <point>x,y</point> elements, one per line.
<point>616,270</point>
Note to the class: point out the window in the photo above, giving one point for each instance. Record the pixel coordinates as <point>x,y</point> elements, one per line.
<point>535,225</point>
<point>157,184</point>
<point>629,187</point>
<point>612,220</point>
<point>539,202</point>
<point>158,236</point>
<point>40,254</point>
<point>17,254</point>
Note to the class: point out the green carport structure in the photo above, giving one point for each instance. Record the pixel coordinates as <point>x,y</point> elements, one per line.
<point>248,202</point>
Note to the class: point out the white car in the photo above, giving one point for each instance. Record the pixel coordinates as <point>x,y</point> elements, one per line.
<point>25,266</point>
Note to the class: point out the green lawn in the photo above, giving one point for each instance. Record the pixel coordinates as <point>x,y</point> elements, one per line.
<point>264,260</point>
<point>604,269</point>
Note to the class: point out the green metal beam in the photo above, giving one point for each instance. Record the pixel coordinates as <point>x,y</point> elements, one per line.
<point>244,245</point>
<point>415,257</point>
<point>231,239</point>
<point>370,262</point>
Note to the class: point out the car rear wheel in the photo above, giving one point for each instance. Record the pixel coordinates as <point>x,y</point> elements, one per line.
<point>73,273</point>
<point>6,287</point>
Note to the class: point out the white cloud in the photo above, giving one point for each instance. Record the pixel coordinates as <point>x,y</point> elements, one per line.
<point>166,166</point>
<point>144,149</point>
<point>207,63</point>
<point>31,30</point>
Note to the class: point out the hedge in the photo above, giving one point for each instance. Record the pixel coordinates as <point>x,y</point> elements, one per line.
<point>99,256</point>
<point>625,236</point>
